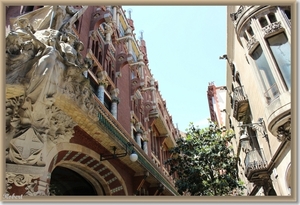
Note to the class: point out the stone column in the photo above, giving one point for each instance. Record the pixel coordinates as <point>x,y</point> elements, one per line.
<point>139,133</point>
<point>115,14</point>
<point>100,93</point>
<point>145,145</point>
<point>102,84</point>
<point>145,142</point>
<point>118,18</point>
<point>138,137</point>
<point>115,102</point>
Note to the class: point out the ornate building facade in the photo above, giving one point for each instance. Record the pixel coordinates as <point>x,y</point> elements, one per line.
<point>80,99</point>
<point>259,96</point>
<point>216,97</point>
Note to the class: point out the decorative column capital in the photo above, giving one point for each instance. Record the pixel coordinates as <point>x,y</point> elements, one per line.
<point>115,92</point>
<point>115,99</point>
<point>139,131</point>
<point>101,77</point>
<point>114,95</point>
<point>138,128</point>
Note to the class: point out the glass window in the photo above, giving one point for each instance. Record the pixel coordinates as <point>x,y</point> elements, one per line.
<point>267,78</point>
<point>281,50</point>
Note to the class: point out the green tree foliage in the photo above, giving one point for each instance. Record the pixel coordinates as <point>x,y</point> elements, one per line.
<point>204,162</point>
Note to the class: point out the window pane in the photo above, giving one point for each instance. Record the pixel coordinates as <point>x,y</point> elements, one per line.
<point>281,50</point>
<point>263,68</point>
<point>265,74</point>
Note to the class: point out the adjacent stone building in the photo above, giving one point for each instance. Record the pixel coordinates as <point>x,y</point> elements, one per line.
<point>259,96</point>
<point>80,99</point>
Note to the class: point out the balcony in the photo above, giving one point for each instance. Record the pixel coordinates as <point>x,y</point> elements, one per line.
<point>255,165</point>
<point>240,104</point>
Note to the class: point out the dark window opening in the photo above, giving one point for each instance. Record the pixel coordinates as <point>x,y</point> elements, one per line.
<point>272,17</point>
<point>107,102</point>
<point>263,22</point>
<point>27,9</point>
<point>288,14</point>
<point>272,192</point>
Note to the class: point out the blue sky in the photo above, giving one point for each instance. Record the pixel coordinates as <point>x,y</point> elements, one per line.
<point>183,48</point>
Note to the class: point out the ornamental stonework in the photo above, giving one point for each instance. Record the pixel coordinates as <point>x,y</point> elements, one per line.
<point>272,27</point>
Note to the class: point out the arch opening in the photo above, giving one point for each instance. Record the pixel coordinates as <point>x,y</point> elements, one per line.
<point>66,182</point>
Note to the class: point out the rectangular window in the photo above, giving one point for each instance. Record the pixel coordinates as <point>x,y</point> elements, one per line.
<point>265,74</point>
<point>281,50</point>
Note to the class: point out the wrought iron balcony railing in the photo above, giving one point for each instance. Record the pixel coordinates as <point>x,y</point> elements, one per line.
<point>255,161</point>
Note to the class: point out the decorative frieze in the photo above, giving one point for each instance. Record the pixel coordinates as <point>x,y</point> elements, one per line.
<point>28,182</point>
<point>272,27</point>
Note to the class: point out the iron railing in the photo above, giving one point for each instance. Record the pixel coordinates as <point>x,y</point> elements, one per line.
<point>255,160</point>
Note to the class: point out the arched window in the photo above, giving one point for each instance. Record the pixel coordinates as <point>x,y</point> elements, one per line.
<point>281,50</point>
<point>263,22</point>
<point>268,82</point>
<point>272,17</point>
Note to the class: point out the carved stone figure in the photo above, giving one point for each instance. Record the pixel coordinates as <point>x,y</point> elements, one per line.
<point>42,56</point>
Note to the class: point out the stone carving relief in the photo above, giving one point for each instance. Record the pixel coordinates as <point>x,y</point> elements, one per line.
<point>284,132</point>
<point>43,55</point>
<point>21,180</point>
<point>26,137</point>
